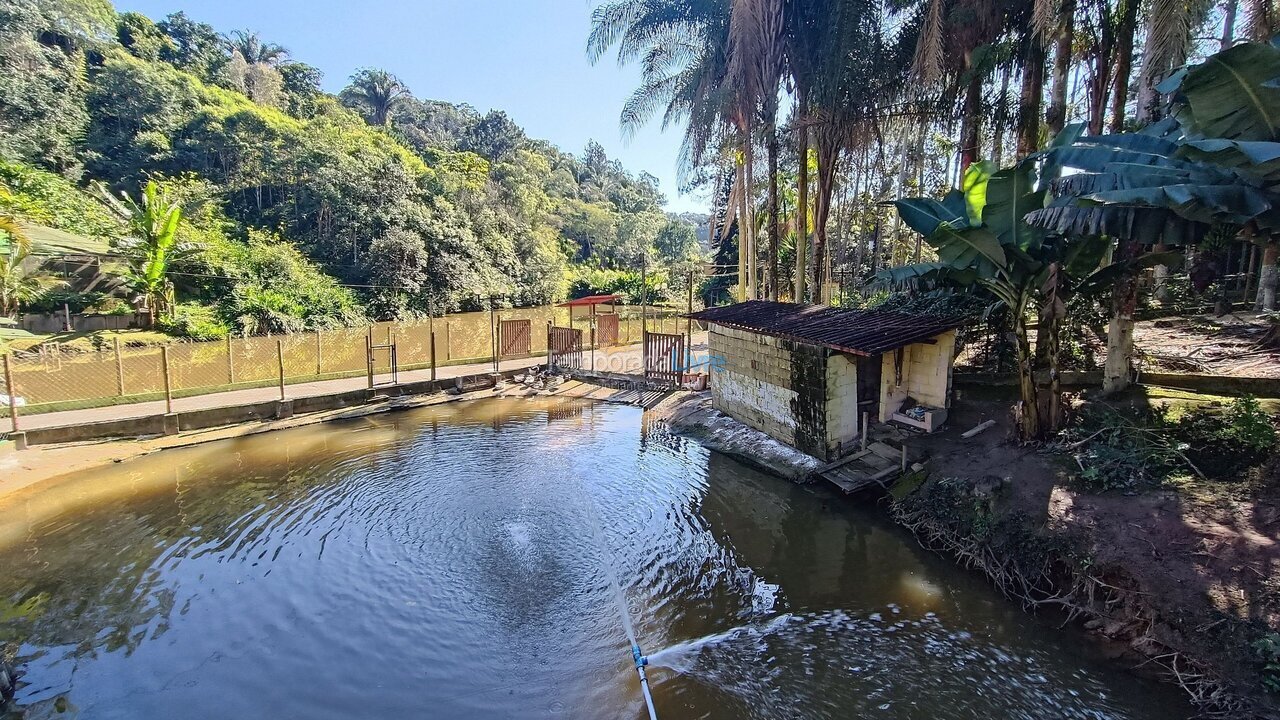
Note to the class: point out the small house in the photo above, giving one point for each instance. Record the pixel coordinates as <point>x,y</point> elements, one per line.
<point>807,374</point>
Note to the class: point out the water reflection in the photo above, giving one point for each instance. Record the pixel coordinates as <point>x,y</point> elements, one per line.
<point>455,562</point>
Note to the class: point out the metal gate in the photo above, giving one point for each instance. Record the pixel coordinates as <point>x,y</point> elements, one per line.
<point>664,357</point>
<point>382,360</point>
<point>564,348</point>
<point>514,338</point>
<point>606,329</point>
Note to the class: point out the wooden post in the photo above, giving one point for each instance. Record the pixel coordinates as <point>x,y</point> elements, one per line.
<point>231,364</point>
<point>644,294</point>
<point>280,365</point>
<point>493,332</point>
<point>904,457</point>
<point>689,325</point>
<point>549,324</point>
<point>119,369</point>
<point>10,388</point>
<point>368,355</point>
<point>433,356</point>
<point>168,384</point>
<point>866,421</point>
<point>448,342</point>
<point>319,354</point>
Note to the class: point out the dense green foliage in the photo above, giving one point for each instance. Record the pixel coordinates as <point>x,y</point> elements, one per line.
<point>417,206</point>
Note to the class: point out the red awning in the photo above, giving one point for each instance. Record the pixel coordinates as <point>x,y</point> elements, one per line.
<point>592,300</point>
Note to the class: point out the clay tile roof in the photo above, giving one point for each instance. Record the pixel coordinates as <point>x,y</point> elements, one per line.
<point>592,300</point>
<point>861,332</point>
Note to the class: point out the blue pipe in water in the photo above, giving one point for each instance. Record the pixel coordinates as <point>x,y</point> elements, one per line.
<point>641,662</point>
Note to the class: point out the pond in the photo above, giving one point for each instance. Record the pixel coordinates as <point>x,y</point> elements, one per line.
<point>460,562</point>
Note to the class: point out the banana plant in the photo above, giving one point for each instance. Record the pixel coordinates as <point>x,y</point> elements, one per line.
<point>982,238</point>
<point>1214,163</point>
<point>153,222</point>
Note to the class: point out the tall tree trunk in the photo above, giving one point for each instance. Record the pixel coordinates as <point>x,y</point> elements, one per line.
<point>1030,100</point>
<point>828,148</point>
<point>1228,24</point>
<point>1001,120</point>
<point>971,118</point>
<point>1268,277</point>
<point>775,229</point>
<point>1056,117</point>
<point>1118,372</point>
<point>749,219</point>
<point>1101,80</point>
<point>1125,31</point>
<point>743,266</point>
<point>802,219</point>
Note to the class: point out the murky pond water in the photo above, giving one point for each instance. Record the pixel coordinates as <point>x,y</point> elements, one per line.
<point>458,562</point>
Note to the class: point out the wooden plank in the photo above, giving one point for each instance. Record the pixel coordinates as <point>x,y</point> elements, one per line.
<point>887,472</point>
<point>849,486</point>
<point>888,452</point>
<point>878,463</point>
<point>841,462</point>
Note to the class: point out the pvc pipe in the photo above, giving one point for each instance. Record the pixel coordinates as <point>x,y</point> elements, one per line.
<point>641,662</point>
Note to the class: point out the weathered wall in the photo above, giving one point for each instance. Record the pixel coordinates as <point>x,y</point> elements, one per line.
<point>802,395</point>
<point>926,375</point>
<point>753,382</point>
<point>842,403</point>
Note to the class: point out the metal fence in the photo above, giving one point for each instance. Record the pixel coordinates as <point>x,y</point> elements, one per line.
<point>54,379</point>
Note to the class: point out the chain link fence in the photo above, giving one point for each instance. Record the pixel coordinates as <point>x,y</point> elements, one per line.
<point>53,379</point>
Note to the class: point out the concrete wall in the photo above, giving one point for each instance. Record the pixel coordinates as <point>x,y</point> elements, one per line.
<point>926,375</point>
<point>800,394</point>
<point>842,402</point>
<point>56,322</point>
<point>234,414</point>
<point>753,383</point>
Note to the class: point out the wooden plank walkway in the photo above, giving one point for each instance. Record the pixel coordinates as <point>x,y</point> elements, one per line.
<point>873,467</point>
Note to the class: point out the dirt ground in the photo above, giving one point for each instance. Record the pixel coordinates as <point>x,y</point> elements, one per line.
<point>1226,345</point>
<point>1202,562</point>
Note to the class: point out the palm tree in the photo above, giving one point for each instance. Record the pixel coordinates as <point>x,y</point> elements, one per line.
<point>847,81</point>
<point>756,64</point>
<point>17,287</point>
<point>682,49</point>
<point>376,94</point>
<point>1170,26</point>
<point>250,46</point>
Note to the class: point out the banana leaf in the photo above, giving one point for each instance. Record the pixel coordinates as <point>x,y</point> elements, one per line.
<point>926,215</point>
<point>1148,225</point>
<point>1260,160</point>
<point>966,247</point>
<point>1011,194</point>
<point>1210,204</point>
<point>974,187</point>
<point>1230,94</point>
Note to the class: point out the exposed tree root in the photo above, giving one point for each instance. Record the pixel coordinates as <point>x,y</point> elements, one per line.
<point>1081,595</point>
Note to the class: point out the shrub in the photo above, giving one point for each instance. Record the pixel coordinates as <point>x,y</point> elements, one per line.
<point>1223,442</point>
<point>52,200</point>
<point>194,322</point>
<point>1124,450</point>
<point>1267,650</point>
<point>53,300</point>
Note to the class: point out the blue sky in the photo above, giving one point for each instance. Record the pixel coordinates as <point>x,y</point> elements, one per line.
<point>526,57</point>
